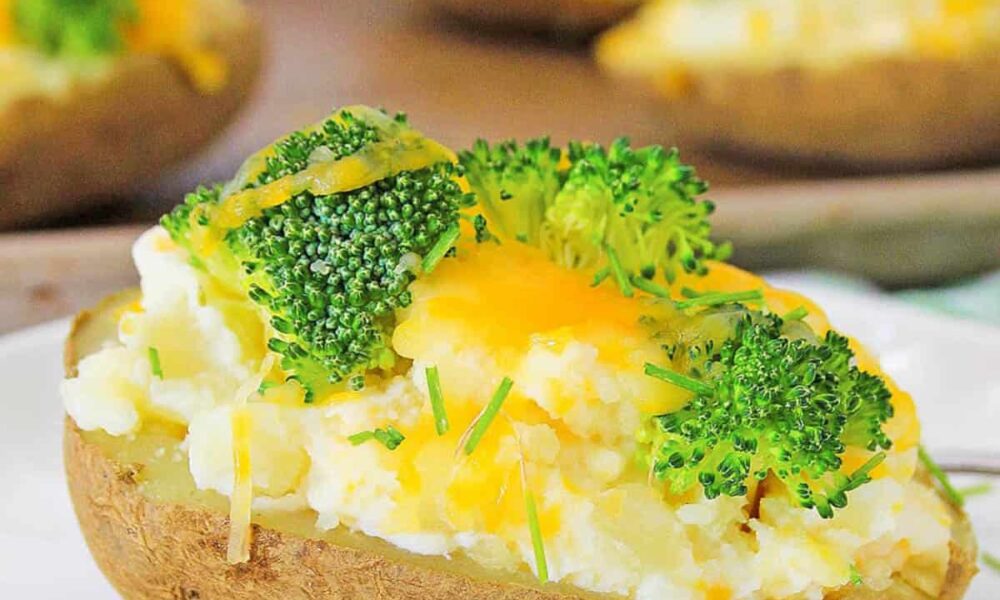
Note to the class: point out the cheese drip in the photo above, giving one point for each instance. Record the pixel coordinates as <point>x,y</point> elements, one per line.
<point>401,149</point>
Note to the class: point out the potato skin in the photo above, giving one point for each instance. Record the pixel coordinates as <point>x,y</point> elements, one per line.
<point>555,16</point>
<point>171,551</point>
<point>58,155</point>
<point>151,550</point>
<point>879,115</point>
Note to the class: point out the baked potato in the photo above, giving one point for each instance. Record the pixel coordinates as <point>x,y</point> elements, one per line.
<point>75,129</point>
<point>155,535</point>
<point>357,371</point>
<point>846,85</point>
<point>560,16</point>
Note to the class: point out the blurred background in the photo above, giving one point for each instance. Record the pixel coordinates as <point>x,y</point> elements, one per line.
<point>861,169</point>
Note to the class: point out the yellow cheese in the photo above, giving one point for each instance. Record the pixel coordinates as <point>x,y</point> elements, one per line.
<point>6,23</point>
<point>169,29</point>
<point>404,150</point>
<point>242,499</point>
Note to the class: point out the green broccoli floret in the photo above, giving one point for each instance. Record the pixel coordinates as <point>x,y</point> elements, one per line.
<point>631,213</point>
<point>330,270</point>
<point>770,398</point>
<point>73,28</point>
<point>514,184</point>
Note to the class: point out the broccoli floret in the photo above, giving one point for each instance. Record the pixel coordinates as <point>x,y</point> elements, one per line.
<point>631,213</point>
<point>328,270</point>
<point>79,28</point>
<point>514,184</point>
<point>770,398</point>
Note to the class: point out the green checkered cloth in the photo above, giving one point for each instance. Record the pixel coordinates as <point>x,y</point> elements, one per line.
<point>975,299</point>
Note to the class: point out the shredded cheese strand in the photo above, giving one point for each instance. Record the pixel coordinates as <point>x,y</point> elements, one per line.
<point>241,502</point>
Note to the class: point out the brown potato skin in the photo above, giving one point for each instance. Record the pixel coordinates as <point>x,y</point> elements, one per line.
<point>61,155</point>
<point>557,16</point>
<point>166,551</point>
<point>879,115</point>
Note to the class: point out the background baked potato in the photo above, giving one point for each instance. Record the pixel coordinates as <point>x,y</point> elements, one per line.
<point>930,102</point>
<point>60,153</point>
<point>155,535</point>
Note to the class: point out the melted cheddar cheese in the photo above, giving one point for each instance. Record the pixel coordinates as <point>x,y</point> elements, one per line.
<point>170,29</point>
<point>6,23</point>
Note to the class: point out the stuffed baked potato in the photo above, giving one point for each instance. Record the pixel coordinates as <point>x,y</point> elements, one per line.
<point>355,371</point>
<point>849,84</point>
<point>96,96</point>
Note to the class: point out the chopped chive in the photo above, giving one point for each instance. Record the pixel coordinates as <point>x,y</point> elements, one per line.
<point>537,543</point>
<point>690,293</point>
<point>388,437</point>
<point>600,276</point>
<point>483,421</point>
<point>688,383</point>
<point>154,363</point>
<point>975,490</point>
<point>361,437</point>
<point>856,576</point>
<point>717,298</point>
<point>796,314</point>
<point>649,287</point>
<point>990,561</point>
<point>941,476</point>
<point>266,385</point>
<point>440,248</point>
<point>618,271</point>
<point>437,400</point>
<point>862,474</point>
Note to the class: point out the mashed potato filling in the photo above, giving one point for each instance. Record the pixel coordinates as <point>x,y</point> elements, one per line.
<point>816,33</point>
<point>566,433</point>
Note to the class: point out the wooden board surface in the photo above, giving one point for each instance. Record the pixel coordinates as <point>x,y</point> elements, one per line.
<point>458,84</point>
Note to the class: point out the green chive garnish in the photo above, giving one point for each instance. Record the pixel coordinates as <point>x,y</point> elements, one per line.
<point>486,418</point>
<point>440,248</point>
<point>154,363</point>
<point>796,314</point>
<point>437,400</point>
<point>690,293</point>
<point>978,489</point>
<point>388,437</point>
<point>537,543</point>
<point>618,271</point>
<point>717,298</point>
<point>600,276</point>
<point>941,476</point>
<point>688,383</point>
<point>856,576</point>
<point>361,437</point>
<point>990,561</point>
<point>649,287</point>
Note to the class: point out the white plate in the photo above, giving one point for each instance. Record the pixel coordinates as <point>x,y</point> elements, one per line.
<point>950,366</point>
